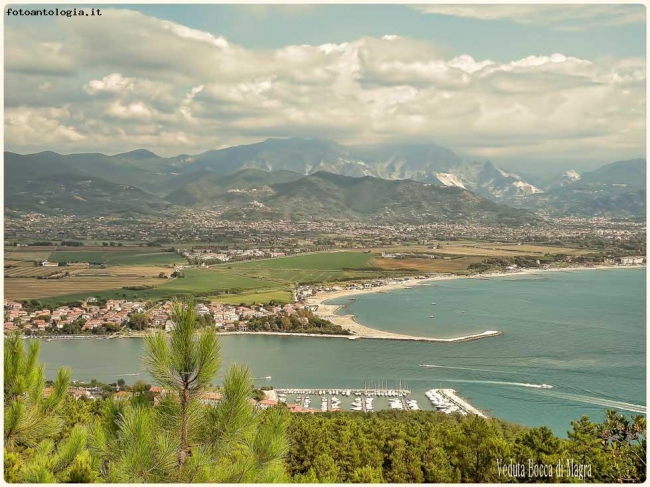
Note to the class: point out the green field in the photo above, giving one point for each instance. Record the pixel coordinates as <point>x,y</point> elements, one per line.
<point>262,297</point>
<point>257,281</point>
<point>115,258</point>
<point>201,282</point>
<point>324,261</point>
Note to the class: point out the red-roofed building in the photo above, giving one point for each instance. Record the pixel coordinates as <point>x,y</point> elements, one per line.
<point>267,403</point>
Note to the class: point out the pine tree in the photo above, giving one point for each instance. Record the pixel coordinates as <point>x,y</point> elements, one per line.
<point>33,453</point>
<point>181,439</point>
<point>29,416</point>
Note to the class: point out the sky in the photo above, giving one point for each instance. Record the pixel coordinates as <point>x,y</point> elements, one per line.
<point>530,87</point>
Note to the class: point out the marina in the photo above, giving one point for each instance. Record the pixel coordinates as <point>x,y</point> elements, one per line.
<point>442,400</point>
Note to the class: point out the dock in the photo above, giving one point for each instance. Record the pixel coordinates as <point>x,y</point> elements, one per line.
<point>371,336</point>
<point>449,396</point>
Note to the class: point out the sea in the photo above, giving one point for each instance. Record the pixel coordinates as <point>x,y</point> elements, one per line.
<point>583,332</point>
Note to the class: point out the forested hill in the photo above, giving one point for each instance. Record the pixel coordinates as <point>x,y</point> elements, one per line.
<point>432,447</point>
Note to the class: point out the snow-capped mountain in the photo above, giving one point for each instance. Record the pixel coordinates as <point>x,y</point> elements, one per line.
<point>448,179</point>
<point>565,179</point>
<point>487,180</point>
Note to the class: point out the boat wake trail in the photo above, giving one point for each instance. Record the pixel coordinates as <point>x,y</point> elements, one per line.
<point>599,401</point>
<point>465,368</point>
<point>132,374</point>
<point>502,383</point>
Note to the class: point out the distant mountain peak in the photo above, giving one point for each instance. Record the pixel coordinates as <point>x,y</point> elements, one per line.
<point>139,154</point>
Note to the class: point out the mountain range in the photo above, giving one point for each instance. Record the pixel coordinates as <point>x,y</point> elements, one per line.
<point>269,172</point>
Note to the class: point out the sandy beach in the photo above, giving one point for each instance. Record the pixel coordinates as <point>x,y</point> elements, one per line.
<point>347,321</point>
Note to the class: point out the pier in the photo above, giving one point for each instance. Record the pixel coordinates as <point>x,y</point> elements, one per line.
<point>446,401</point>
<point>375,335</point>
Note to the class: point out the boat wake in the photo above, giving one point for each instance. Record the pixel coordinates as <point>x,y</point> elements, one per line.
<point>599,401</point>
<point>503,383</point>
<point>138,373</point>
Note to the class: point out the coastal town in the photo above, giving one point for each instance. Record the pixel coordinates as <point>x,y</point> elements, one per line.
<point>113,316</point>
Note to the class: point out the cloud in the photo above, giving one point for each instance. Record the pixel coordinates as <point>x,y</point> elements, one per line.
<point>560,17</point>
<point>133,81</point>
<point>114,82</point>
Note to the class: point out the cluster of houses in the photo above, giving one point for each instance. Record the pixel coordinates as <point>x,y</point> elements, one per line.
<point>114,312</point>
<point>213,255</point>
<point>637,260</point>
<point>303,293</point>
<point>224,317</point>
<point>117,312</point>
<point>47,263</point>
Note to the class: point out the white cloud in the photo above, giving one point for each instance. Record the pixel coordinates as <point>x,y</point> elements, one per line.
<point>171,89</point>
<point>136,110</point>
<point>113,82</point>
<point>561,17</point>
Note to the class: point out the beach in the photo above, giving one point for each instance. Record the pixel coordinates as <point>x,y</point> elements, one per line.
<point>348,321</point>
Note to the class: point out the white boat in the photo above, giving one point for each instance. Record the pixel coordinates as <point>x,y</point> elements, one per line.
<point>546,386</point>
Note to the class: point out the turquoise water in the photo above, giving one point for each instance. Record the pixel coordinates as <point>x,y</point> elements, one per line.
<point>581,331</point>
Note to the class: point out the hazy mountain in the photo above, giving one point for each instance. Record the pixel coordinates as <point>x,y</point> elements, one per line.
<point>420,162</point>
<point>627,175</point>
<point>140,168</point>
<point>214,177</point>
<point>614,190</point>
<point>325,195</point>
<point>215,188</point>
<point>75,194</point>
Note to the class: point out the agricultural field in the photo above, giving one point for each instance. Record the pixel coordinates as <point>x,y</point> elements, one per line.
<point>253,281</point>
<point>21,254</point>
<point>262,297</point>
<point>115,258</point>
<point>43,288</point>
<point>458,264</point>
<point>202,282</point>
<point>304,276</point>
<point>485,249</point>
<point>331,261</point>
<point>31,271</point>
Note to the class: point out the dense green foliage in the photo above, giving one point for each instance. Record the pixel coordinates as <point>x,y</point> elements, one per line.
<point>292,324</point>
<point>426,446</point>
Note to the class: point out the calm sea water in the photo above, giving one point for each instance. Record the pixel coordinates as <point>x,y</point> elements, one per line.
<point>583,332</point>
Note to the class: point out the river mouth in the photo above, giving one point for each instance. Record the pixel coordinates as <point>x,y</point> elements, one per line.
<point>581,332</point>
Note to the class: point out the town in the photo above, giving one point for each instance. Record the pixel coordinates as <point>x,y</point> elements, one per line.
<point>123,318</point>
<point>194,226</point>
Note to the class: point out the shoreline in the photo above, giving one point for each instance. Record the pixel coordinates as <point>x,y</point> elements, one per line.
<point>348,321</point>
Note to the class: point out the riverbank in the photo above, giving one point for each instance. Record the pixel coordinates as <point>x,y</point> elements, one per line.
<point>348,321</point>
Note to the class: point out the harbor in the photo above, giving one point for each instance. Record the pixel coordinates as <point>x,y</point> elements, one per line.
<point>371,399</point>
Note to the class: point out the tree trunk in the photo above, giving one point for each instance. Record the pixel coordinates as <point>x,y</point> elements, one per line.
<point>185,447</point>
